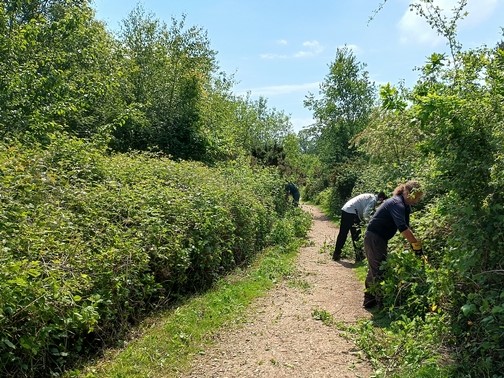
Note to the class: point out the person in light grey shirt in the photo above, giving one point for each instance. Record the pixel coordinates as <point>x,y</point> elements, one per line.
<point>355,211</point>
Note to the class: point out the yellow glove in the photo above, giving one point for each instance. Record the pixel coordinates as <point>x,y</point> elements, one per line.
<point>417,248</point>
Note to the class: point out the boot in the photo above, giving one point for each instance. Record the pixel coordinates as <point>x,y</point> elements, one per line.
<point>336,256</point>
<point>369,302</point>
<point>359,256</point>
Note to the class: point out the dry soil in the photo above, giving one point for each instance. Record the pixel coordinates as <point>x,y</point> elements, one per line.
<point>281,337</point>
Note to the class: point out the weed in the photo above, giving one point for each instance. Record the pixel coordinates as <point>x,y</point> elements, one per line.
<point>324,316</point>
<point>299,284</point>
<point>327,247</point>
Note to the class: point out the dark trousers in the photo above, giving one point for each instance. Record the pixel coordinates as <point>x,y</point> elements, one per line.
<point>349,222</point>
<point>295,198</point>
<point>375,248</point>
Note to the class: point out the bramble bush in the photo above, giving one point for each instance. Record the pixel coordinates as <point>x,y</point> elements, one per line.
<point>91,243</point>
<point>453,136</point>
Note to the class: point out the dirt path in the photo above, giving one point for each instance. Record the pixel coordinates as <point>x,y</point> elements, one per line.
<point>281,338</point>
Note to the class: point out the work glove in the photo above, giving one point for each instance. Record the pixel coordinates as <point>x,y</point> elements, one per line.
<point>417,248</point>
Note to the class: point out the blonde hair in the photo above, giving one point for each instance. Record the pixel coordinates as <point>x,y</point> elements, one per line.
<point>410,186</point>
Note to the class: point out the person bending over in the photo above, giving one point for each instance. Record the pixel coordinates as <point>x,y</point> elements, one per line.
<point>391,216</point>
<point>292,190</point>
<point>355,211</point>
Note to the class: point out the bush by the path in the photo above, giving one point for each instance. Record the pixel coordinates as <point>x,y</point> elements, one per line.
<point>90,242</point>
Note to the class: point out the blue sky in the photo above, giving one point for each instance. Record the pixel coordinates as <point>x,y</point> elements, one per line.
<point>281,49</point>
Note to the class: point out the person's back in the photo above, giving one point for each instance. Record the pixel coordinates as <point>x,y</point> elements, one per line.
<point>391,215</point>
<point>353,213</point>
<point>294,192</point>
<point>362,205</point>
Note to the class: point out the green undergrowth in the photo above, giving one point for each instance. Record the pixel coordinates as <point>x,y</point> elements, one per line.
<point>169,341</point>
<point>92,243</point>
<point>402,348</point>
<point>397,343</point>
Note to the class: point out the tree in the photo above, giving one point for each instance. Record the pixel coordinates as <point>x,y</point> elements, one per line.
<point>346,100</point>
<point>342,111</point>
<point>167,72</point>
<point>456,113</point>
<point>56,69</point>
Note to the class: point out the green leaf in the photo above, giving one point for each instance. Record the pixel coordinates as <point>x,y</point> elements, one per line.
<point>8,343</point>
<point>468,309</point>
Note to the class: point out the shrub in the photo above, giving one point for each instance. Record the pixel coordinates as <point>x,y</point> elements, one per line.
<point>91,243</point>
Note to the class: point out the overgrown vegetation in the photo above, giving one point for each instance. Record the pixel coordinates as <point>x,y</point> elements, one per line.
<point>132,176</point>
<point>446,131</point>
<point>175,335</point>
<point>92,242</point>
<point>127,178</point>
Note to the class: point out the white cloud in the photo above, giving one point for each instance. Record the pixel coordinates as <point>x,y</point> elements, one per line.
<point>310,48</point>
<point>282,42</point>
<point>479,11</point>
<point>314,45</point>
<point>303,54</point>
<point>414,29</point>
<point>273,56</point>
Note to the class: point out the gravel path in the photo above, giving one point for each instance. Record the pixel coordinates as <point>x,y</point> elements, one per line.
<point>281,338</point>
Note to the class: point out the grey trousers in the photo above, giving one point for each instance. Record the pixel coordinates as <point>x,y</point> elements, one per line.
<point>375,248</point>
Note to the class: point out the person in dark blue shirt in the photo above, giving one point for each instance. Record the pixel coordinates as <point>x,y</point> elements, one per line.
<point>392,216</point>
<point>291,189</point>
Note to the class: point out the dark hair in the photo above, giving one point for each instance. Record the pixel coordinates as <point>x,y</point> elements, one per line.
<point>382,196</point>
<point>409,186</point>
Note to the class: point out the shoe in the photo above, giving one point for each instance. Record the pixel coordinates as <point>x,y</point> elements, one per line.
<point>359,255</point>
<point>370,303</point>
<point>336,255</point>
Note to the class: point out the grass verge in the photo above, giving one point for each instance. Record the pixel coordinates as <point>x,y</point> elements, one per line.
<point>167,342</point>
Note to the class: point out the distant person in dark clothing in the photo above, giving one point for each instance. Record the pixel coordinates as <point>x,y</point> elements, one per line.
<point>292,190</point>
<point>391,216</point>
<point>354,212</point>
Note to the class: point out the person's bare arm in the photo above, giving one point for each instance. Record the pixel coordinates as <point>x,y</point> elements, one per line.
<point>408,235</point>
